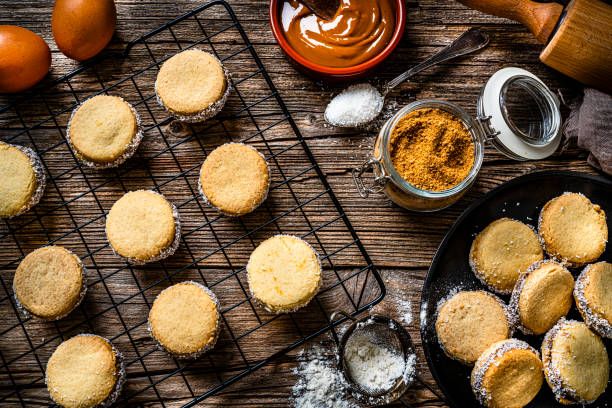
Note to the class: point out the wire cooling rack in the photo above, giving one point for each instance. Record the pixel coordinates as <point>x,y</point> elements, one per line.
<point>213,249</point>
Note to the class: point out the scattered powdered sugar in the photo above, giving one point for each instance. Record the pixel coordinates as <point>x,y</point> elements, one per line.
<point>370,365</point>
<point>405,310</point>
<point>356,105</point>
<point>320,384</point>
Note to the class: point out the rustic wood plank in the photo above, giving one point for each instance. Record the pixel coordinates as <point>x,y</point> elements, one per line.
<point>410,238</point>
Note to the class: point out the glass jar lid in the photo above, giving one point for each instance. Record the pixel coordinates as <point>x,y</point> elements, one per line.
<point>520,115</point>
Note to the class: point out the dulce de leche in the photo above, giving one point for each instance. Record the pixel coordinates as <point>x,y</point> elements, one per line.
<point>359,31</point>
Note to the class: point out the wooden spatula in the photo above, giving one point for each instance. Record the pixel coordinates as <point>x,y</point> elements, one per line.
<point>579,36</point>
<point>325,9</point>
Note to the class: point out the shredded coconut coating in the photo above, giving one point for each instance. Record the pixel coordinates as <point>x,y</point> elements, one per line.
<point>129,150</point>
<point>516,293</point>
<point>564,261</point>
<point>82,293</point>
<point>256,205</point>
<point>212,110</point>
<point>164,253</point>
<point>597,323</point>
<point>453,292</point>
<point>481,367</point>
<point>209,346</point>
<point>119,369</point>
<point>39,174</point>
<point>295,309</point>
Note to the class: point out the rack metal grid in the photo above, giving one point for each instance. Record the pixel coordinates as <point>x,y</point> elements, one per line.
<point>213,248</point>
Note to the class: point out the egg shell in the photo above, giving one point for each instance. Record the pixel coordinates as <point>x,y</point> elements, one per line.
<point>82,28</point>
<point>25,58</point>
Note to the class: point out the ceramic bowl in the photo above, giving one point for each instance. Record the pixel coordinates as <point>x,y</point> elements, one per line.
<point>332,73</point>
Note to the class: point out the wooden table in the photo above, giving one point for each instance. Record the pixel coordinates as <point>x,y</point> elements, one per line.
<point>400,243</point>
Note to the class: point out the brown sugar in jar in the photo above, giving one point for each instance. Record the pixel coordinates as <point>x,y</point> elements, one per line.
<point>431,149</point>
<point>425,157</point>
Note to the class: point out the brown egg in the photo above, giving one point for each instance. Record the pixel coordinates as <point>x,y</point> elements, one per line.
<point>82,28</point>
<point>25,59</point>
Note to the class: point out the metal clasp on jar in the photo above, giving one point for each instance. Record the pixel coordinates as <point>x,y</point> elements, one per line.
<point>380,178</point>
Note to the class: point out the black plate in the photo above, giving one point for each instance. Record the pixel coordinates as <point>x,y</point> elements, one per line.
<point>522,199</point>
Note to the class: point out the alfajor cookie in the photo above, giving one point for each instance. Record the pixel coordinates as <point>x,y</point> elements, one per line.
<point>85,371</point>
<point>573,229</point>
<point>284,273</point>
<point>184,320</point>
<point>104,131</point>
<point>508,374</point>
<point>469,322</point>
<point>503,250</point>
<point>593,294</point>
<point>234,179</point>
<point>192,86</point>
<point>49,283</point>
<point>22,180</point>
<point>142,226</point>
<point>542,295</point>
<point>576,363</point>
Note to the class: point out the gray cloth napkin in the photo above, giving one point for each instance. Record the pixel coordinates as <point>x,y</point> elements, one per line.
<point>589,126</point>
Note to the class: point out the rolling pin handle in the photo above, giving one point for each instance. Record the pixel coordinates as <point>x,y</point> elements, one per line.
<point>540,18</point>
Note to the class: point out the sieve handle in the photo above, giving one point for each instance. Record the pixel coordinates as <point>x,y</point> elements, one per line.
<point>332,319</point>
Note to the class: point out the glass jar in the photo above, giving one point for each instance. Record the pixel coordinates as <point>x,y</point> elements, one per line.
<point>517,114</point>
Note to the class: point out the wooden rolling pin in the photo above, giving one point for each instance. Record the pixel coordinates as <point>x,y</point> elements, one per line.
<point>578,38</point>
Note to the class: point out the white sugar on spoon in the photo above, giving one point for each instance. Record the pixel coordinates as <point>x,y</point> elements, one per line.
<point>360,104</point>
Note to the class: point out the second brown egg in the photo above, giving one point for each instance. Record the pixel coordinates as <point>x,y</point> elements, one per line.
<point>82,28</point>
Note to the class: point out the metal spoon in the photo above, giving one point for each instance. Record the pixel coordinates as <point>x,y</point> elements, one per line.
<point>472,40</point>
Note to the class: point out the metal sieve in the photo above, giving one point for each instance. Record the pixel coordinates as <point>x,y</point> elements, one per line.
<point>387,333</point>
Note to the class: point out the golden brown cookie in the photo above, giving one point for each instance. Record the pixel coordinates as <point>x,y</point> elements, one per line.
<point>142,226</point>
<point>50,283</point>
<point>573,229</point>
<point>542,295</point>
<point>192,86</point>
<point>593,294</point>
<point>503,250</point>
<point>104,131</point>
<point>469,322</point>
<point>575,361</point>
<point>85,371</point>
<point>234,179</point>
<point>184,320</point>
<point>284,273</point>
<point>508,374</point>
<point>22,180</point>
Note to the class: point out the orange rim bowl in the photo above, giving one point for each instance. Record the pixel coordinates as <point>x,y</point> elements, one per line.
<point>322,71</point>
